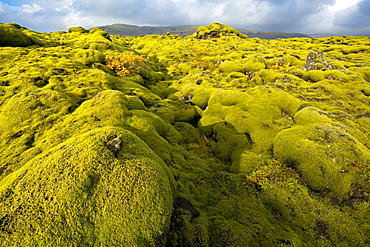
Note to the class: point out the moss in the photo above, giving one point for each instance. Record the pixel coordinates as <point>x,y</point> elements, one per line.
<point>217,30</point>
<point>314,75</point>
<point>133,102</point>
<point>254,64</point>
<point>228,140</point>
<point>172,111</point>
<point>337,75</point>
<point>366,91</point>
<point>315,194</point>
<point>148,98</point>
<point>230,66</point>
<point>197,95</point>
<point>269,76</point>
<point>311,115</point>
<point>250,114</point>
<point>188,231</point>
<point>31,108</point>
<point>184,68</point>
<point>82,192</point>
<point>13,36</point>
<point>322,151</point>
<point>313,220</point>
<point>236,75</point>
<point>94,113</point>
<point>99,32</point>
<point>246,161</point>
<point>153,130</point>
<point>188,132</point>
<point>89,56</point>
<point>77,30</point>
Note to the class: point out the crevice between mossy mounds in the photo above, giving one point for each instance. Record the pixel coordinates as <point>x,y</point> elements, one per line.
<point>180,204</point>
<point>366,115</point>
<point>321,230</point>
<point>359,195</point>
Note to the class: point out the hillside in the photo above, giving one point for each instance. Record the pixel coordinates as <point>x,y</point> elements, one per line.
<point>132,30</point>
<point>213,139</point>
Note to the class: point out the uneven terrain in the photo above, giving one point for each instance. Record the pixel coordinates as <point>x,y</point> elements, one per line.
<point>213,139</point>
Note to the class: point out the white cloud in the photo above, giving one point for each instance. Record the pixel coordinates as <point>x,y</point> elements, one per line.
<point>30,9</point>
<point>343,4</point>
<point>306,16</point>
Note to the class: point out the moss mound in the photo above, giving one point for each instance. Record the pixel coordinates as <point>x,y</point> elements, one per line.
<point>323,152</point>
<point>217,30</point>
<point>12,35</point>
<point>105,187</point>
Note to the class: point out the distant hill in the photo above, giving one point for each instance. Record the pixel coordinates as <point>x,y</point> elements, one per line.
<point>132,30</point>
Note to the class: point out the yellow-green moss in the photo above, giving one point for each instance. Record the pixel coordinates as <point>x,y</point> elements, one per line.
<point>77,30</point>
<point>254,64</point>
<point>322,151</point>
<point>230,66</point>
<point>66,117</point>
<point>12,35</point>
<point>105,187</point>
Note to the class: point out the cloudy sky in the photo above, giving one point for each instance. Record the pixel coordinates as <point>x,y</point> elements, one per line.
<point>343,17</point>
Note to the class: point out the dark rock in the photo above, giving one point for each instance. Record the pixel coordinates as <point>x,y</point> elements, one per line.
<point>182,204</point>
<point>114,146</point>
<point>310,61</point>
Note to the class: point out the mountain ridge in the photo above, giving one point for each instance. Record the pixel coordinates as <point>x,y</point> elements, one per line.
<point>185,30</point>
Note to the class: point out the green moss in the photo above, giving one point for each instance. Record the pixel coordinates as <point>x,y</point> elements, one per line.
<point>184,68</point>
<point>77,30</point>
<point>230,66</point>
<point>217,30</point>
<point>188,132</point>
<point>322,151</point>
<point>133,102</point>
<point>254,64</point>
<point>246,161</point>
<point>366,91</point>
<point>85,192</point>
<point>13,36</point>
<point>31,108</point>
<point>94,113</point>
<point>97,31</point>
<point>89,56</point>
<point>250,114</point>
<point>314,75</point>
<point>104,139</point>
<point>269,76</point>
<point>153,130</point>
<point>228,140</point>
<point>337,75</point>
<point>313,220</point>
<point>197,95</point>
<point>172,111</point>
<point>236,75</point>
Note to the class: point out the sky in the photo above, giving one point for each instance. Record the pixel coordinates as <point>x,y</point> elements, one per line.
<point>339,17</point>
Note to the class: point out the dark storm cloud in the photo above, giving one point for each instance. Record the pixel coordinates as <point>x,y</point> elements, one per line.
<point>304,16</point>
<point>355,19</point>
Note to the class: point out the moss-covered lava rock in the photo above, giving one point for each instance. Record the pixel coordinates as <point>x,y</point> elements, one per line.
<point>213,139</point>
<point>105,187</point>
<point>12,35</point>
